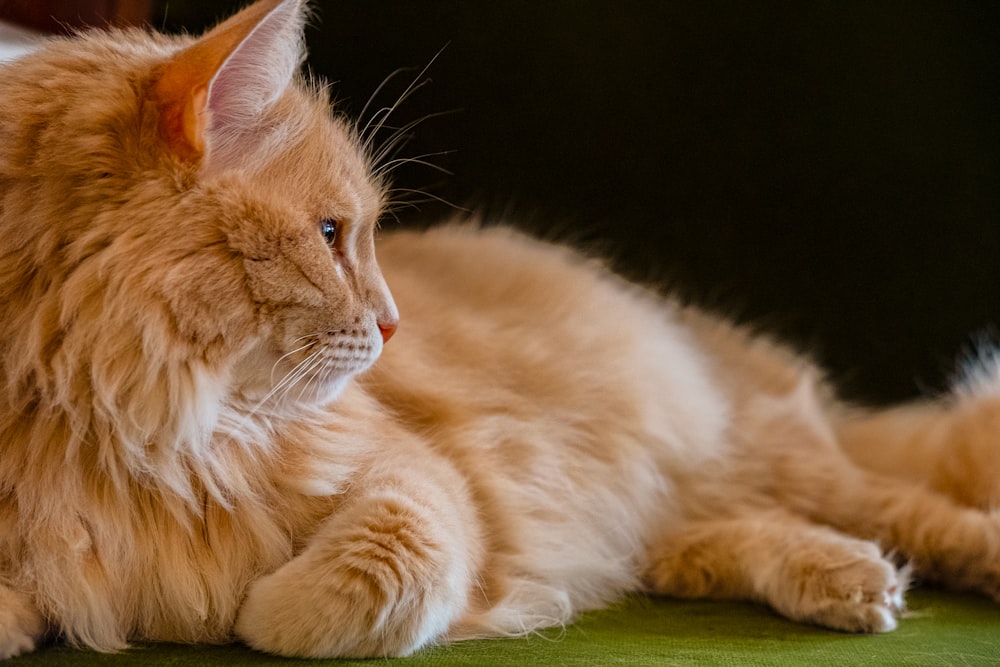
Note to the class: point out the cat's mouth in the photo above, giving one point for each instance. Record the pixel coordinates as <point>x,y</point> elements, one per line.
<point>314,370</point>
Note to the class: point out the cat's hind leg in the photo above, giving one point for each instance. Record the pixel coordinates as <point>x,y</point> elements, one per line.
<point>384,576</point>
<point>946,543</point>
<point>806,572</point>
<point>810,475</point>
<point>22,626</point>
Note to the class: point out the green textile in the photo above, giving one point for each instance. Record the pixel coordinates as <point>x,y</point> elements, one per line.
<point>940,630</point>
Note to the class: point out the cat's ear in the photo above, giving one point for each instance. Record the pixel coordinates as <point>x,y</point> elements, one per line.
<point>210,94</point>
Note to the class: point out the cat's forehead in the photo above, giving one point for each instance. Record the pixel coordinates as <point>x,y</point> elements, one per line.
<point>312,155</point>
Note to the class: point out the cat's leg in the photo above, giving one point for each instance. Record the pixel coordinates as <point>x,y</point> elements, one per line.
<point>22,626</point>
<point>946,542</point>
<point>809,474</point>
<point>384,576</point>
<point>808,573</point>
<point>952,445</point>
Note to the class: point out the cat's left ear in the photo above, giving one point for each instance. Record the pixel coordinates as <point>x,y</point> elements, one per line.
<point>210,94</point>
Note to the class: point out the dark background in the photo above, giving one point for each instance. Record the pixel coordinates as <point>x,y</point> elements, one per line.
<point>829,170</point>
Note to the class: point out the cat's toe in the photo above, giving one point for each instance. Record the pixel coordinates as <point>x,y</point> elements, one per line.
<point>862,611</point>
<point>864,593</point>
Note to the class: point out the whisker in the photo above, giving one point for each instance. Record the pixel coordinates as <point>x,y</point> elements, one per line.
<point>288,354</point>
<point>296,370</point>
<point>304,336</point>
<point>391,165</point>
<point>307,373</point>
<point>428,197</point>
<point>315,382</point>
<point>393,211</point>
<point>387,111</point>
<point>407,205</point>
<point>392,147</point>
<point>410,89</point>
<point>303,369</point>
<point>401,134</point>
<point>293,376</point>
<point>371,98</point>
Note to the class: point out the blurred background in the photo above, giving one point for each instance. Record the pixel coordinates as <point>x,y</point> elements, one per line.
<point>827,170</point>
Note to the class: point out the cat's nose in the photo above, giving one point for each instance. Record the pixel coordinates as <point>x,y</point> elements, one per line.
<point>387,329</point>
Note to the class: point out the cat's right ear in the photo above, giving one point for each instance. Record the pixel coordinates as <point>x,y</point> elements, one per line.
<point>209,95</point>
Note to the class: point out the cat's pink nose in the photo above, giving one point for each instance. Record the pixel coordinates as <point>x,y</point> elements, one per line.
<point>387,329</point>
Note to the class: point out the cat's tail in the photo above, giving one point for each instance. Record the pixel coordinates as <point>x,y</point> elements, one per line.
<point>951,444</point>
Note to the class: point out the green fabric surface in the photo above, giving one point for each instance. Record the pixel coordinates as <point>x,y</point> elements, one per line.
<point>940,630</point>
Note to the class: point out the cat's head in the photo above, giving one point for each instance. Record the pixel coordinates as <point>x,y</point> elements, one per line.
<point>179,214</point>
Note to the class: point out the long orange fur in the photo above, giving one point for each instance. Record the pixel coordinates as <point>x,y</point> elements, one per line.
<point>205,437</point>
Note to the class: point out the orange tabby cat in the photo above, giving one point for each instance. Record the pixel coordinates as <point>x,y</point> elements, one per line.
<point>199,440</point>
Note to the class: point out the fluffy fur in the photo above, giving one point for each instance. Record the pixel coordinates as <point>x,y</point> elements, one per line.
<point>197,444</point>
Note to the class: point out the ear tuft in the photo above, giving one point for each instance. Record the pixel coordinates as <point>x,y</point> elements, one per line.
<point>212,93</point>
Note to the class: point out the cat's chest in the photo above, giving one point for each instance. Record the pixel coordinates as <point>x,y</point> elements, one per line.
<point>151,566</point>
<point>182,577</point>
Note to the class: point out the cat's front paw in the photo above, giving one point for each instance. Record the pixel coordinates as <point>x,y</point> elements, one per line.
<point>340,612</point>
<point>327,616</point>
<point>385,588</point>
<point>853,592</point>
<point>21,624</point>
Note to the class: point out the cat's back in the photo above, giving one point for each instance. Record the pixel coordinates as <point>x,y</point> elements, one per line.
<point>493,321</point>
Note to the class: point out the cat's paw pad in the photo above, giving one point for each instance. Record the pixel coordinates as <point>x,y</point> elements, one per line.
<point>861,594</point>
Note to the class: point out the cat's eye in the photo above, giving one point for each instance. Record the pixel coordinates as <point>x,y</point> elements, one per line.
<point>329,228</point>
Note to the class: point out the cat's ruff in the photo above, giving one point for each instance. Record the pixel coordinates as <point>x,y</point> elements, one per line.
<point>206,435</point>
